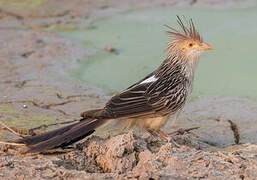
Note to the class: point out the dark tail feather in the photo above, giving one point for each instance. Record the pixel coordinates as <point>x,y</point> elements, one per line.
<point>63,136</point>
<point>31,140</point>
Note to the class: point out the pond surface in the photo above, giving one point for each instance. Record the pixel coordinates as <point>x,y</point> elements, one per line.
<point>140,39</point>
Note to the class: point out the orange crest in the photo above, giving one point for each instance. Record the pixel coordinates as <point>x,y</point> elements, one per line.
<point>189,33</point>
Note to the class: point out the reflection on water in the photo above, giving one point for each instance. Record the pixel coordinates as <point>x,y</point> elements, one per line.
<point>139,36</point>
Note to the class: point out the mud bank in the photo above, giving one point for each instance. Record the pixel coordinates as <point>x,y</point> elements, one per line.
<point>128,156</point>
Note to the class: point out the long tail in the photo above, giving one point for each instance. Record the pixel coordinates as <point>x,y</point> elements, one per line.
<point>63,136</point>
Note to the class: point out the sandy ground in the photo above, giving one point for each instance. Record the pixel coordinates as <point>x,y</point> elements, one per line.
<point>33,91</point>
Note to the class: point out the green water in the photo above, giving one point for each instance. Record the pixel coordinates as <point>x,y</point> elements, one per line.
<point>140,38</point>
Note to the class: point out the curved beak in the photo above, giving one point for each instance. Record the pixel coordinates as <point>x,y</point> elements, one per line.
<point>205,46</point>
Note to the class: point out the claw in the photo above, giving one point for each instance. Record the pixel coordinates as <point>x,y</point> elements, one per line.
<point>173,142</point>
<point>163,136</point>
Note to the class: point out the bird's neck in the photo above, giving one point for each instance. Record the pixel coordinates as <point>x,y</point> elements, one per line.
<point>183,64</point>
<point>178,64</point>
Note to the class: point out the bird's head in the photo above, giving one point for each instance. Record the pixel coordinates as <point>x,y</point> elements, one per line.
<point>186,42</point>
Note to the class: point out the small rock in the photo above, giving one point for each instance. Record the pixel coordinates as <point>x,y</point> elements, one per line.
<point>111,49</point>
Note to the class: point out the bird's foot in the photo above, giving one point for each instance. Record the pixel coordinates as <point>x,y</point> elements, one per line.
<point>163,136</point>
<point>167,138</point>
<point>173,142</point>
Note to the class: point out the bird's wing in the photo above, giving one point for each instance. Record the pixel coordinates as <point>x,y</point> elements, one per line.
<point>131,102</point>
<point>168,94</point>
<point>149,96</point>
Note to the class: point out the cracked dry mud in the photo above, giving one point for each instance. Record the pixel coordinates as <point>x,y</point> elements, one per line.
<point>35,90</point>
<point>127,156</point>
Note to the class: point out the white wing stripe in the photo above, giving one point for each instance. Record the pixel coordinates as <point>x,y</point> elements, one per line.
<point>150,79</point>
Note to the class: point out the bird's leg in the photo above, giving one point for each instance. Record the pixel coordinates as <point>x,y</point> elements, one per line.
<point>167,138</point>
<point>163,136</point>
<point>153,133</point>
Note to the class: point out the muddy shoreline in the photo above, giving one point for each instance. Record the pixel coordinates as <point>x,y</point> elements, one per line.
<point>36,89</point>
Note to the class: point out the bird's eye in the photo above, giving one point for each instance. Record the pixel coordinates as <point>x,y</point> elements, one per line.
<point>190,44</point>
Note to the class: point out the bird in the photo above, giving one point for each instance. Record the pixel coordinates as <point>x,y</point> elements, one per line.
<point>147,104</point>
